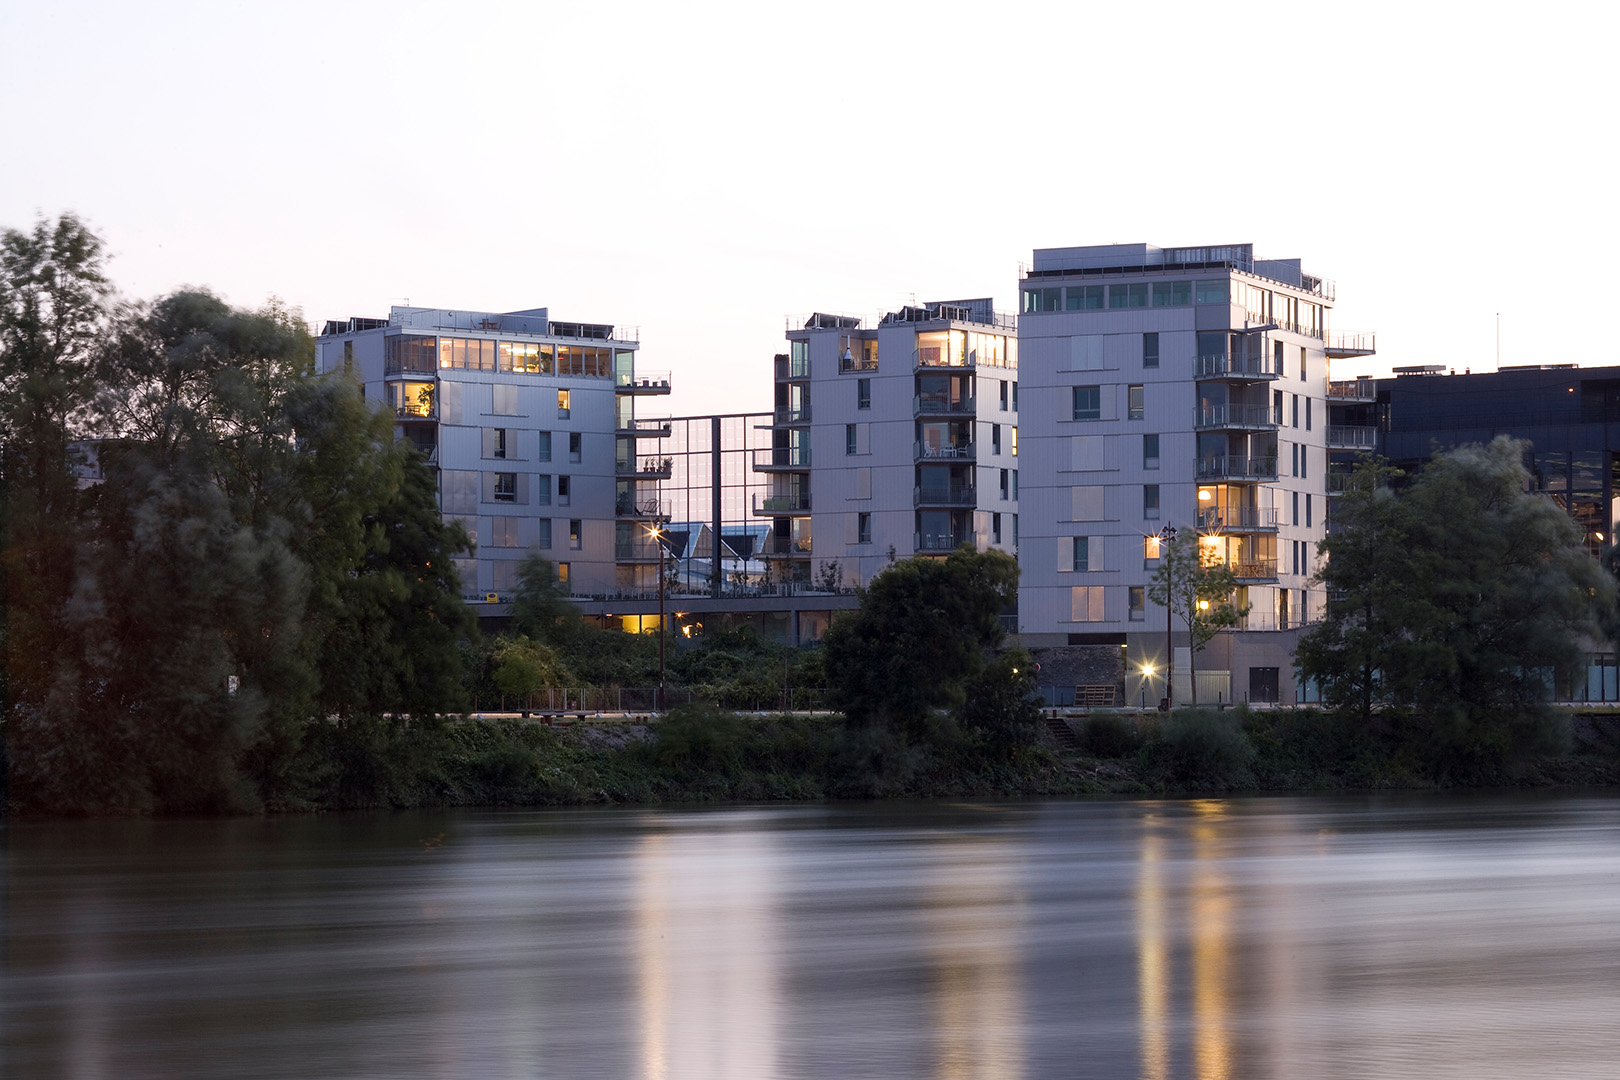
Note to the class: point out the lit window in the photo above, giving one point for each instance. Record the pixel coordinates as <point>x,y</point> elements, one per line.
<point>564,400</point>
<point>576,529</point>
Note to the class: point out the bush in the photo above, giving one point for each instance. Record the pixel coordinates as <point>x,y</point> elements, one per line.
<point>1201,748</point>
<point>1109,735</point>
<point>699,737</point>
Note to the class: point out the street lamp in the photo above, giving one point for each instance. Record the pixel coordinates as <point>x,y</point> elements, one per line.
<point>1167,536</point>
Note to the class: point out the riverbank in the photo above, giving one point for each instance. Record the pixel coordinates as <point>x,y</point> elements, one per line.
<point>703,755</point>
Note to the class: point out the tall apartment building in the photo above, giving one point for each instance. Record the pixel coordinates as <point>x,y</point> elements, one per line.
<point>531,426</point>
<point>892,437</point>
<point>1181,388</point>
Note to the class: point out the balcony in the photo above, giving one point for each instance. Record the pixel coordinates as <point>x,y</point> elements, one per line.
<point>1352,438</point>
<point>1343,346</point>
<point>1238,519</point>
<point>932,406</point>
<point>940,358</point>
<point>416,411</point>
<point>937,543</point>
<point>646,468</point>
<point>1241,417</point>
<point>963,451</point>
<point>786,547</point>
<point>782,457</point>
<point>637,549</point>
<point>768,505</point>
<point>789,370</point>
<point>628,506</point>
<point>1237,467</point>
<point>653,382</point>
<point>1236,367</point>
<point>1352,391</point>
<point>953,495</point>
<point>800,415</point>
<point>850,362</point>
<point>645,428</point>
<point>1254,570</point>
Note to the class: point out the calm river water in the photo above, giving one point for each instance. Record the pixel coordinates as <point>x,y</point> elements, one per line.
<point>1236,938</point>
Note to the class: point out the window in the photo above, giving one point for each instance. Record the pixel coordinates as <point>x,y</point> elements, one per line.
<point>1014,442</point>
<point>1136,402</point>
<point>473,354</point>
<point>1294,459</point>
<point>1307,414</point>
<point>1150,451</point>
<point>1302,355</point>
<point>995,528</point>
<point>995,438</point>
<point>1042,300</point>
<point>545,447</point>
<point>1296,410</point>
<point>863,528</point>
<point>1307,510</point>
<point>1086,603</point>
<point>562,574</point>
<point>503,400</point>
<point>1150,500</point>
<point>1304,462</point>
<point>564,400</point>
<point>1137,602</point>
<point>1015,397</point>
<point>850,441</point>
<point>1150,350</point>
<point>495,442</point>
<point>1004,395</point>
<point>1081,555</point>
<point>1277,357</point>
<point>543,532</point>
<point>542,491</point>
<point>1084,298</point>
<point>1128,296</point>
<point>576,447</point>
<point>1276,408</point>
<point>1004,484</point>
<point>505,487</point>
<point>1013,519</point>
<point>565,491</point>
<point>1296,508</point>
<point>1172,293</point>
<point>1212,292</point>
<point>348,357</point>
<point>863,393</point>
<point>576,531</point>
<point>503,532</point>
<point>1088,403</point>
<point>1150,549</point>
<point>1015,483</point>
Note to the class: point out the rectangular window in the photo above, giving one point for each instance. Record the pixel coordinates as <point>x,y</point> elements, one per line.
<point>495,442</point>
<point>1004,484</point>
<point>850,440</point>
<point>1276,408</point>
<point>1086,603</point>
<point>545,447</point>
<point>563,575</point>
<point>1296,508</point>
<point>1042,300</point>
<point>505,487</point>
<point>1084,298</point>
<point>1293,456</point>
<point>1014,431</point>
<point>995,528</point>
<point>1136,402</point>
<point>1137,602</point>
<point>863,528</point>
<point>1172,293</point>
<point>1150,500</point>
<point>565,490</point>
<point>1015,397</point>
<point>565,399</point>
<point>542,491</point>
<point>1307,414</point>
<point>503,400</point>
<point>1212,292</point>
<point>863,393</point>
<point>1015,483</point>
<point>576,447</point>
<point>1082,555</point>
<point>503,532</point>
<point>1003,395</point>
<point>576,534</point>
<point>1150,350</point>
<point>1277,357</point>
<point>543,532</point>
<point>1088,402</point>
<point>1307,510</point>
<point>1296,410</point>
<point>1302,355</point>
<point>1128,296</point>
<point>1150,549</point>
<point>1150,451</point>
<point>1305,463</point>
<point>995,438</point>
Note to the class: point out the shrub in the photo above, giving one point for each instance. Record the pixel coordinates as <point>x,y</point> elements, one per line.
<point>1201,748</point>
<point>1109,735</point>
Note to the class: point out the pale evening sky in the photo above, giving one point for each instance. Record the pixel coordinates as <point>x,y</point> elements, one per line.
<point>702,170</point>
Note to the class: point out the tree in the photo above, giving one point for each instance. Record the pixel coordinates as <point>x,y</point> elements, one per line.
<point>1192,583</point>
<point>925,631</point>
<point>1457,598</point>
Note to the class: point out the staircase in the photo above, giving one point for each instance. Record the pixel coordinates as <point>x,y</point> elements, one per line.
<point>1061,731</point>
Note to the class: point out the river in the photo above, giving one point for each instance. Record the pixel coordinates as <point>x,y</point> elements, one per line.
<point>1391,936</point>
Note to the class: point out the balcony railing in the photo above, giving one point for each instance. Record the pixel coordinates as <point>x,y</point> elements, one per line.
<point>638,549</point>
<point>1237,467</point>
<point>1352,390</point>
<point>857,363</point>
<point>1237,367</point>
<point>940,357</point>
<point>1242,518</point>
<point>646,468</point>
<point>933,405</point>
<point>954,495</point>
<point>800,415</point>
<point>415,411</point>
<point>782,504</point>
<point>1352,438</point>
<point>1340,346</point>
<point>1254,569</point>
<point>628,506</point>
<point>1235,416</point>
<point>936,543</point>
<point>645,427</point>
<point>651,382</point>
<point>787,546</point>
<point>782,457</point>
<point>962,451</point>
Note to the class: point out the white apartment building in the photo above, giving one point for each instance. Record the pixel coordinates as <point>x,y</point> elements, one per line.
<point>531,426</point>
<point>891,437</point>
<point>1184,388</point>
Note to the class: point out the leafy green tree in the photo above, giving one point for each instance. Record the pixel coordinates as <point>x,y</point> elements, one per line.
<point>1199,589</point>
<point>522,666</point>
<point>924,634</point>
<point>1480,592</point>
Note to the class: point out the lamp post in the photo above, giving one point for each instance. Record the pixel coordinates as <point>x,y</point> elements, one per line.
<point>1167,536</point>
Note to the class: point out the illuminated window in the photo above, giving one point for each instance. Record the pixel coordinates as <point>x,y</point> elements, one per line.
<point>565,399</point>
<point>1150,548</point>
<point>576,531</point>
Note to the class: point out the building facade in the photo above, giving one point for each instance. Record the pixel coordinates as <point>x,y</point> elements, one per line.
<point>891,437</point>
<point>531,426</point>
<point>1179,389</point>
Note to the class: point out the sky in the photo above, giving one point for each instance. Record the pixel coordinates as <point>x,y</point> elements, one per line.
<point>703,170</point>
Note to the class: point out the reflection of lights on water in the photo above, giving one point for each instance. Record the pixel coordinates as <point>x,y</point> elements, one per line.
<point>1152,962</point>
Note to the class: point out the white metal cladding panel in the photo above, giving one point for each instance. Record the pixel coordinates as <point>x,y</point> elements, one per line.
<point>460,447</point>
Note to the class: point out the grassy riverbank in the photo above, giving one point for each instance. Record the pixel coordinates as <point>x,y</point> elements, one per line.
<point>705,755</point>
